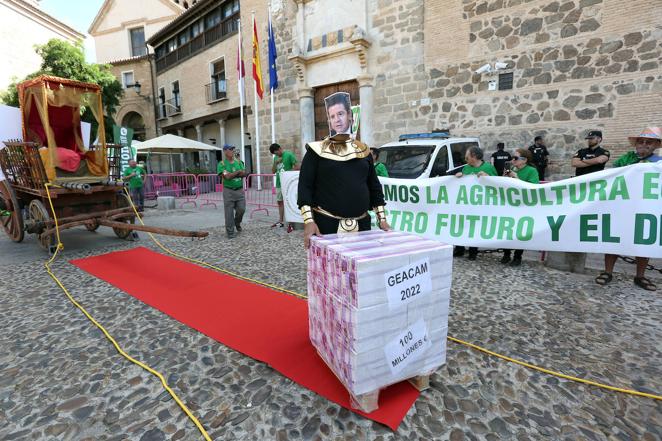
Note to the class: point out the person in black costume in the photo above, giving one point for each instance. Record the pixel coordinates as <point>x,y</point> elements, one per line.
<point>338,185</point>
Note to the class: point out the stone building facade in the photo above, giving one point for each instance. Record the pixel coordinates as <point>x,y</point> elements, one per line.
<point>565,67</point>
<point>197,82</point>
<point>119,30</point>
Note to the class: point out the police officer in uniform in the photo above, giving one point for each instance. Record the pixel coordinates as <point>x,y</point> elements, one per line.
<point>593,158</point>
<point>499,158</point>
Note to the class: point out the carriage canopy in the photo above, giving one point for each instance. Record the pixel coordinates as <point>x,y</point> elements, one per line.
<point>51,111</point>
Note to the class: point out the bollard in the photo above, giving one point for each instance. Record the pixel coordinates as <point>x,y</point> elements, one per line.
<point>165,202</point>
<point>566,261</point>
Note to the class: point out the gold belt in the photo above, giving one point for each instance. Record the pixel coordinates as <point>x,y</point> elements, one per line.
<point>346,224</point>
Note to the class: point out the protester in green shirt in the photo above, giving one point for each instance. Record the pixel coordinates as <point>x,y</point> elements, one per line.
<point>644,151</point>
<point>135,176</point>
<point>380,168</point>
<point>475,166</point>
<point>524,172</point>
<point>232,170</point>
<point>284,160</point>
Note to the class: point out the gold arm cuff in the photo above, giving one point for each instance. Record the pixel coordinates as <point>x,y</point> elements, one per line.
<point>380,213</point>
<point>307,214</point>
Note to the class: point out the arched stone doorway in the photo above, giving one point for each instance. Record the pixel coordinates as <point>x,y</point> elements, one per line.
<point>135,121</point>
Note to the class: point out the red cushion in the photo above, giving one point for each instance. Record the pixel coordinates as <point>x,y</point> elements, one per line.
<point>67,160</point>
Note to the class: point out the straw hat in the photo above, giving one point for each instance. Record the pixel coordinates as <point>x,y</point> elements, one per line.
<point>649,133</point>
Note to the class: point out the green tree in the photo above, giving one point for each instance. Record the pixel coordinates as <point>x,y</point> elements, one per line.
<point>66,60</point>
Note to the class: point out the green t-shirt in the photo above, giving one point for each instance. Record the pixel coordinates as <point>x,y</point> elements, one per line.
<point>231,167</point>
<point>284,163</point>
<point>137,180</point>
<point>380,169</point>
<point>484,167</point>
<point>528,174</point>
<point>631,158</point>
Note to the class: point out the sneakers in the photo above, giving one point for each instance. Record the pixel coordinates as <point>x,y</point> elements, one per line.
<point>238,227</point>
<point>290,228</point>
<point>278,225</point>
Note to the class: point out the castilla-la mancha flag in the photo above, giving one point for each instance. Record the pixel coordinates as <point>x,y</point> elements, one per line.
<point>257,68</point>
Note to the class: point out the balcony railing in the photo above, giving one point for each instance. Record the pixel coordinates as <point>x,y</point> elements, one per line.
<point>207,38</point>
<point>174,106</point>
<point>216,91</point>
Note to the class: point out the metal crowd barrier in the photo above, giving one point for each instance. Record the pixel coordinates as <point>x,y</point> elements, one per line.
<point>183,187</point>
<point>210,190</point>
<point>260,191</point>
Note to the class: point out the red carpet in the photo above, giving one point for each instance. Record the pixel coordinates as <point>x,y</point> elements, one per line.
<point>264,324</point>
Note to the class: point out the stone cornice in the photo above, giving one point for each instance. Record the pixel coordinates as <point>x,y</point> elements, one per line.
<point>357,45</point>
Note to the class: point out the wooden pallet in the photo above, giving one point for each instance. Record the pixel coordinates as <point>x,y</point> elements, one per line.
<point>370,401</point>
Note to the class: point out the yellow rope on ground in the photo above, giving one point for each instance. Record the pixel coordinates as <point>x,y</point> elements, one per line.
<point>453,339</point>
<point>59,247</point>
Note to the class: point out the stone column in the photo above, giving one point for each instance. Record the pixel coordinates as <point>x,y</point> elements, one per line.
<point>182,156</point>
<point>204,158</point>
<point>366,99</point>
<point>307,114</point>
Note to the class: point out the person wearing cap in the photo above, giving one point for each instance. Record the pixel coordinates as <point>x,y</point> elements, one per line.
<point>540,156</point>
<point>232,170</point>
<point>500,157</point>
<point>644,151</point>
<point>593,158</point>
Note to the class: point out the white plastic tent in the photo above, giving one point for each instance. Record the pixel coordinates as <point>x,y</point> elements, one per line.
<point>171,144</point>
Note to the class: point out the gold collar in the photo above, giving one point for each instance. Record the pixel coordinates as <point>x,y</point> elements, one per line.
<point>339,148</point>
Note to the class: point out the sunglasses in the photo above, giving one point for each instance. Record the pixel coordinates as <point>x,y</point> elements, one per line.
<point>521,158</point>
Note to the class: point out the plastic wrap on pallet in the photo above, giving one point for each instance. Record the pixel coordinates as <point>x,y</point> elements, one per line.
<point>378,306</point>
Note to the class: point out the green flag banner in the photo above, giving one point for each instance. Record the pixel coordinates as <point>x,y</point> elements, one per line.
<point>123,136</point>
<point>617,211</point>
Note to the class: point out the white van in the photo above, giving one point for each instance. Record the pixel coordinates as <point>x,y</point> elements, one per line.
<point>425,155</point>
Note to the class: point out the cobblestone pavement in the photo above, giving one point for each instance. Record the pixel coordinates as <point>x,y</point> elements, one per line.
<point>61,379</point>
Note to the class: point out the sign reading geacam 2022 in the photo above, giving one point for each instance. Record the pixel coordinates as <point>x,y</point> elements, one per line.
<point>123,136</point>
<point>616,211</point>
<point>407,283</point>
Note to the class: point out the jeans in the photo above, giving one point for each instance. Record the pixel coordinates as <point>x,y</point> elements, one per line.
<point>234,202</point>
<point>138,197</point>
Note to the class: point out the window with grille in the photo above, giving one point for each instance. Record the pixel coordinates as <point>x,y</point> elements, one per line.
<point>218,83</point>
<point>162,103</point>
<point>176,97</point>
<point>506,81</point>
<point>138,42</point>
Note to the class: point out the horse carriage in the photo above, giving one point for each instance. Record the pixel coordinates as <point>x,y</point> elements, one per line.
<point>51,165</point>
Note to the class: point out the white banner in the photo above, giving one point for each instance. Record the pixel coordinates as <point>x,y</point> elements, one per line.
<point>615,211</point>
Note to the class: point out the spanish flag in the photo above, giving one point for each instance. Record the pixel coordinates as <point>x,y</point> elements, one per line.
<point>257,69</point>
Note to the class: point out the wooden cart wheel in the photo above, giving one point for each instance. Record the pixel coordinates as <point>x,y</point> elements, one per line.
<point>38,212</point>
<point>123,233</point>
<point>11,217</point>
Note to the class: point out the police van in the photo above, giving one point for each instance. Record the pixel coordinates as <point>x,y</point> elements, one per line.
<point>425,155</point>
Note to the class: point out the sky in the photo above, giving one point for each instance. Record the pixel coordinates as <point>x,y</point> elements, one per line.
<point>78,14</point>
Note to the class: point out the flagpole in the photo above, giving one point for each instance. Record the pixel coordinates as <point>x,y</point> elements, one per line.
<point>271,86</point>
<point>241,96</point>
<point>257,123</point>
